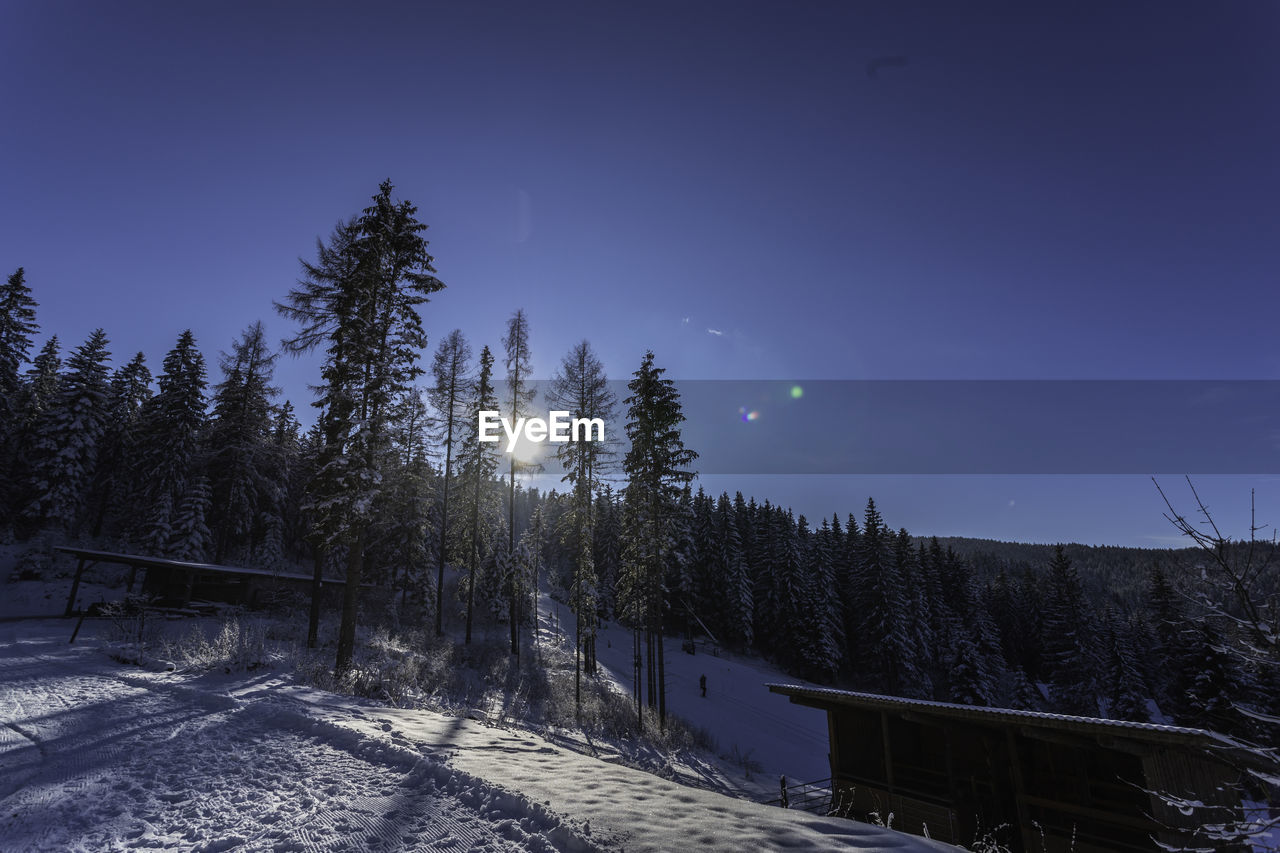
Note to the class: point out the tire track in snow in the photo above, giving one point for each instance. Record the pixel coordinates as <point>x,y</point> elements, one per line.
<point>133,762</point>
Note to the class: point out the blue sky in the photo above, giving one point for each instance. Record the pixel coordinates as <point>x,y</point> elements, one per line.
<point>1077,192</point>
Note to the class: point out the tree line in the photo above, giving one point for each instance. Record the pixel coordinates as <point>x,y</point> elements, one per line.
<point>391,487</point>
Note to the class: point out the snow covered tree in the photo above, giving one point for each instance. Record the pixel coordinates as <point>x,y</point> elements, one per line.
<point>1068,655</point>
<point>407,543</point>
<point>1122,680</point>
<point>170,428</point>
<point>581,388</point>
<point>1232,655</point>
<point>884,627</point>
<point>450,370</point>
<point>819,630</point>
<point>64,452</point>
<point>130,388</point>
<point>243,461</point>
<point>521,395</point>
<point>360,301</point>
<point>735,590</point>
<point>189,537</point>
<point>656,468</point>
<point>477,464</point>
<point>17,327</point>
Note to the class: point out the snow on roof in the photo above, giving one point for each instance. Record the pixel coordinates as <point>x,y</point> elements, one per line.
<point>1091,725</point>
<point>161,563</point>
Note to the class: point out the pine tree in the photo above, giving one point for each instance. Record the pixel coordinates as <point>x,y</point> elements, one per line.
<point>64,452</point>
<point>820,640</point>
<point>129,390</point>
<point>884,626</point>
<point>242,466</point>
<point>1123,681</point>
<point>406,542</point>
<point>170,427</point>
<point>477,464</point>
<point>971,683</point>
<point>1067,653</point>
<point>516,345</point>
<point>17,327</point>
<point>656,468</point>
<point>735,586</point>
<point>581,388</point>
<point>189,538</point>
<point>450,370</point>
<point>360,299</point>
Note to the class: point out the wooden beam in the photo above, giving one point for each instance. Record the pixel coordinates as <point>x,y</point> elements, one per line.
<point>75,587</point>
<point>888,753</point>
<point>1020,793</point>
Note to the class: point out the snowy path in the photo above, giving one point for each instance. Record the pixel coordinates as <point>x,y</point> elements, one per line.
<point>95,756</point>
<point>99,756</point>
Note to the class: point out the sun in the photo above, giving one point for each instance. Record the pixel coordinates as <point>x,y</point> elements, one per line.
<point>527,452</point>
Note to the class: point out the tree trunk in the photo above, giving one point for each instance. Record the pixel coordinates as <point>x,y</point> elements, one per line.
<point>635,642</point>
<point>350,606</point>
<point>662,682</point>
<point>444,534</point>
<point>313,621</point>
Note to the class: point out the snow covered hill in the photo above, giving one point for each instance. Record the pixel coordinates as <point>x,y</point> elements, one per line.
<point>739,712</point>
<point>95,755</point>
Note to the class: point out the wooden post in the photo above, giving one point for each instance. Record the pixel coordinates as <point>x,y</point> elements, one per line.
<point>782,783</point>
<point>888,753</point>
<point>133,575</point>
<point>75,587</point>
<point>1019,791</point>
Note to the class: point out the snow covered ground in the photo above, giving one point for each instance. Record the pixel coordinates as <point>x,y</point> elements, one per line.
<point>95,755</point>
<point>738,712</point>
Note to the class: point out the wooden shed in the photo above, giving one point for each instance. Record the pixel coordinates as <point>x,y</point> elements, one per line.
<point>1059,783</point>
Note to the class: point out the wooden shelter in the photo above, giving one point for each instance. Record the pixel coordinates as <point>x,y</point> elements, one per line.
<point>179,582</point>
<point>1060,783</point>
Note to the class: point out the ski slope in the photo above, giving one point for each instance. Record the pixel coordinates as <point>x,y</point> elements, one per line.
<point>96,755</point>
<point>738,711</point>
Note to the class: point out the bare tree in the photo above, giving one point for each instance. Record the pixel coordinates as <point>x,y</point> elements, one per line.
<point>1238,590</point>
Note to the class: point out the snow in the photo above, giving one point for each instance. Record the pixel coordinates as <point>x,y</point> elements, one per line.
<point>95,755</point>
<point>738,711</point>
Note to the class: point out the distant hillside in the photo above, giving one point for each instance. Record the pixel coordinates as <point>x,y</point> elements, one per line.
<point>1109,572</point>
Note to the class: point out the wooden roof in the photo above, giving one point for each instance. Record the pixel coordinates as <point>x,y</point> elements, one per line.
<point>142,562</point>
<point>822,697</point>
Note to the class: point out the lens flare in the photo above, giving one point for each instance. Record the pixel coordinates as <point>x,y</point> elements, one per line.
<point>747,416</point>
<point>796,392</point>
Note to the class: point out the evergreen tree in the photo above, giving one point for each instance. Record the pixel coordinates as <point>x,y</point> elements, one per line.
<point>656,468</point>
<point>735,595</point>
<point>477,463</point>
<point>129,390</point>
<point>1068,656</point>
<point>17,327</point>
<point>820,640</point>
<point>1123,681</point>
<point>516,345</point>
<point>243,465</point>
<point>360,299</point>
<point>448,396</point>
<point>170,427</point>
<point>189,537</point>
<point>884,624</point>
<point>581,388</point>
<point>408,543</point>
<point>64,452</point>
